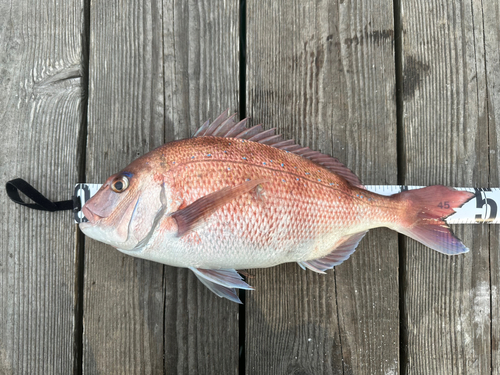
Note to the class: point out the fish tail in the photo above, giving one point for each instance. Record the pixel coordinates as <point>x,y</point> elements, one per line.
<point>426,210</point>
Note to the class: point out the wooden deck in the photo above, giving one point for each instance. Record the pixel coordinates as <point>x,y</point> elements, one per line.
<point>401,93</point>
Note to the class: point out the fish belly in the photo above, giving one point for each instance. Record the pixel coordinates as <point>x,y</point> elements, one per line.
<point>213,251</point>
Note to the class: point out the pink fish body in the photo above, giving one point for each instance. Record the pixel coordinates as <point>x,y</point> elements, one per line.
<point>236,198</point>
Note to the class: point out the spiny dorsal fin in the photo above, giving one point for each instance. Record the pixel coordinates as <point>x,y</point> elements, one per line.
<point>227,127</point>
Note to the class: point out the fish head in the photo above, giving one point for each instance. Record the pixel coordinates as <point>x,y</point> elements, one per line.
<point>123,211</point>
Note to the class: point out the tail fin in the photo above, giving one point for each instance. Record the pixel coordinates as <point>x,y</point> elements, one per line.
<point>427,209</point>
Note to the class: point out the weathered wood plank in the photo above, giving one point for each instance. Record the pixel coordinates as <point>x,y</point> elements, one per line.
<point>201,66</point>
<point>324,74</point>
<point>368,284</point>
<point>157,71</point>
<point>446,299</point>
<point>40,117</point>
<point>123,296</point>
<point>491,14</point>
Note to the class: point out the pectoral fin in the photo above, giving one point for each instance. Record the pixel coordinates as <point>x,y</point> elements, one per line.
<point>202,208</point>
<point>222,282</point>
<point>337,256</point>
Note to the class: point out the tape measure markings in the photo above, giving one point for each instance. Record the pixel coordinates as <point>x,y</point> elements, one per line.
<point>482,208</point>
<point>84,192</point>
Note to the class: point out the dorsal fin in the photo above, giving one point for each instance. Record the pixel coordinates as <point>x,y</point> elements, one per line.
<point>227,127</point>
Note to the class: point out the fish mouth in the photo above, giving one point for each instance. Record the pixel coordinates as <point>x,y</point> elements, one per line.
<point>90,216</point>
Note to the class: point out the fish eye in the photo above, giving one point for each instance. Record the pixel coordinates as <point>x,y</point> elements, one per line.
<point>120,184</point>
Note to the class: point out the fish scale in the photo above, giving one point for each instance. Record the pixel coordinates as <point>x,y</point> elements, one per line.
<point>275,210</point>
<point>209,149</point>
<point>235,198</point>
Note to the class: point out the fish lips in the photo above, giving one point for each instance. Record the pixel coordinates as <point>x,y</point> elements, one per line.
<point>115,232</point>
<point>90,227</point>
<point>89,215</point>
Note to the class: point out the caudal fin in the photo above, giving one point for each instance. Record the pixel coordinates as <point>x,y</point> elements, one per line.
<point>427,209</point>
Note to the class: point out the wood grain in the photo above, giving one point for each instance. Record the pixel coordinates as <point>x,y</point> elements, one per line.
<point>123,296</point>
<point>323,73</point>
<point>200,63</point>
<point>491,14</point>
<point>40,117</point>
<point>446,299</point>
<point>158,70</point>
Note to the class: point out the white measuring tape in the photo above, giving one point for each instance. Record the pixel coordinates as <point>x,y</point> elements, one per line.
<point>84,192</point>
<point>480,209</point>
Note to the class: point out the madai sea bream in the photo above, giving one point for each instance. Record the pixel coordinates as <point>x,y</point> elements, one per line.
<point>234,198</point>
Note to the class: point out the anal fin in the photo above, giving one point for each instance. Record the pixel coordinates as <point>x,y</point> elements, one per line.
<point>222,282</point>
<point>338,255</point>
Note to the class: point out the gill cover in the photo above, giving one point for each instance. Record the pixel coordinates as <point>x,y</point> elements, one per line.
<point>122,211</point>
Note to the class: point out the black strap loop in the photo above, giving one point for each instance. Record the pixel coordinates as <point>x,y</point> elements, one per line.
<point>17,185</point>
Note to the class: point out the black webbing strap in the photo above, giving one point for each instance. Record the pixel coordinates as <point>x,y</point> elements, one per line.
<point>17,185</point>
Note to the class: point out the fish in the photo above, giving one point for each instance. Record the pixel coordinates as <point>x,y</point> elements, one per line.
<point>235,197</point>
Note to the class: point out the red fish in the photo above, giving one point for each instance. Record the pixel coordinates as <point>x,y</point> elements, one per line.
<point>236,198</point>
